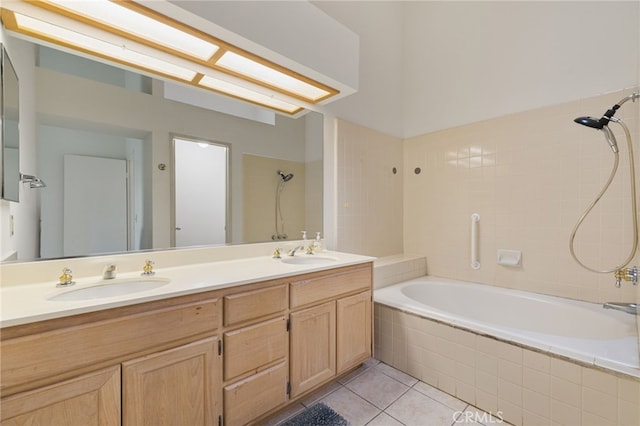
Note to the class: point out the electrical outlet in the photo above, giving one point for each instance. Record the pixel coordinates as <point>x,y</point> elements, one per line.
<point>11,227</point>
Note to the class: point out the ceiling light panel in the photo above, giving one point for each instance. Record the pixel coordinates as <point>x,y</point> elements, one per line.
<point>59,35</point>
<point>248,94</point>
<point>129,33</point>
<point>115,15</point>
<point>264,74</point>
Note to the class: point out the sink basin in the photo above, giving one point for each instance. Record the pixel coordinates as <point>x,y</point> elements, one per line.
<point>307,260</point>
<point>110,289</point>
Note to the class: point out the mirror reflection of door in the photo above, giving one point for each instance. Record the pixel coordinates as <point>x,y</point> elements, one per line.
<point>200,192</point>
<point>95,192</point>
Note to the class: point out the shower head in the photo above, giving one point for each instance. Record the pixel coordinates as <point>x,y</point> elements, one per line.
<point>589,122</point>
<point>285,177</point>
<point>599,123</point>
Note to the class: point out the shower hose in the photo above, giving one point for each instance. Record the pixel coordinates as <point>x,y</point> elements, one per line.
<point>634,213</point>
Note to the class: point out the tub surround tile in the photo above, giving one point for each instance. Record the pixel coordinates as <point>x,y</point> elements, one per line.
<point>525,385</point>
<point>566,370</point>
<point>566,392</point>
<point>536,381</point>
<point>600,404</point>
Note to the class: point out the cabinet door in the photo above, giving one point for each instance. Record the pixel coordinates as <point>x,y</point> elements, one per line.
<point>91,399</point>
<point>313,346</point>
<point>180,386</point>
<point>353,330</point>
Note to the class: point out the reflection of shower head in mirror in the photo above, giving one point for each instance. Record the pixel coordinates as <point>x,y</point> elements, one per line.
<point>285,177</point>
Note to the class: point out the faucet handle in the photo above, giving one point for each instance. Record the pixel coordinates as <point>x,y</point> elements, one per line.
<point>277,254</point>
<point>66,279</point>
<point>148,268</point>
<point>109,272</point>
<point>627,274</point>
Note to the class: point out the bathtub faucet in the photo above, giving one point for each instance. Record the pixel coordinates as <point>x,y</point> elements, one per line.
<point>627,274</point>
<point>630,308</point>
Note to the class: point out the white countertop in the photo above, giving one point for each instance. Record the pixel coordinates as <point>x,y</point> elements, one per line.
<point>26,303</point>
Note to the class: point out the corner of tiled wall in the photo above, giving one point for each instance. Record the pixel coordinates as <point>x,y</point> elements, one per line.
<point>390,270</point>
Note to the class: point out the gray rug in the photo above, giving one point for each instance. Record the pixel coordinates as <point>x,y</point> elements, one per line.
<point>317,415</point>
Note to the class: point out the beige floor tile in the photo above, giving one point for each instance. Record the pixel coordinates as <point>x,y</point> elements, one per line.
<point>285,414</point>
<point>320,393</point>
<point>397,374</point>
<point>384,419</point>
<point>354,409</point>
<point>377,388</point>
<point>415,409</point>
<point>371,362</point>
<point>475,416</point>
<point>440,396</point>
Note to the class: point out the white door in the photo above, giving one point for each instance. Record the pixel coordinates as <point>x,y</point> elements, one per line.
<point>95,205</point>
<point>200,192</point>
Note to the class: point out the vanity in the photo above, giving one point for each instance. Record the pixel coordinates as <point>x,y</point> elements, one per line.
<point>228,342</point>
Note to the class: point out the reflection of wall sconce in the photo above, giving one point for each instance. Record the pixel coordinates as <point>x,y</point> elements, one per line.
<point>33,181</point>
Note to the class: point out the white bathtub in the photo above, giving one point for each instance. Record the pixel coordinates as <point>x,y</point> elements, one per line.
<point>578,330</point>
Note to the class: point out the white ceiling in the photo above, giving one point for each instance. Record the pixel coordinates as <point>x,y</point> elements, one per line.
<point>426,65</point>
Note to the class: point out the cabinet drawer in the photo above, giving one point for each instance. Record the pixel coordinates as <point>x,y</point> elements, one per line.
<point>254,304</point>
<point>62,351</point>
<point>330,286</point>
<point>255,395</point>
<point>249,348</point>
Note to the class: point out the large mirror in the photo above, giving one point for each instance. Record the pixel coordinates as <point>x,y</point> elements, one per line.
<point>98,125</point>
<point>10,137</point>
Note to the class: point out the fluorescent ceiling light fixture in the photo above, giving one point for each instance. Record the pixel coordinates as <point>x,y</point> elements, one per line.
<point>248,94</point>
<point>134,35</point>
<point>116,15</point>
<point>60,35</point>
<point>264,74</point>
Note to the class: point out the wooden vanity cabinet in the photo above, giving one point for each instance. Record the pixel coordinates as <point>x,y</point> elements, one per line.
<point>256,349</point>
<point>330,326</point>
<point>90,400</point>
<point>179,386</point>
<point>154,363</point>
<point>232,356</point>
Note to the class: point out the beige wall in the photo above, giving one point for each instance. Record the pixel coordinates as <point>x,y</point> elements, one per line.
<point>530,176</point>
<point>369,195</point>
<point>260,181</point>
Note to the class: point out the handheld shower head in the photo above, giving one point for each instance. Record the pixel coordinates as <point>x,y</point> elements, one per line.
<point>285,177</point>
<point>599,123</point>
<point>589,122</point>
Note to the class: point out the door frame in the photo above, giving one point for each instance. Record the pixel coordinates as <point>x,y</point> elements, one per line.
<point>228,218</point>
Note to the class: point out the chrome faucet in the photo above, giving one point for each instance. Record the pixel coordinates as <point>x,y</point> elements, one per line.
<point>293,251</point>
<point>109,272</point>
<point>630,308</point>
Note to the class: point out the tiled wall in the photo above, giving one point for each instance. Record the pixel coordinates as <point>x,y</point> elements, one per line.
<point>369,194</point>
<point>394,269</point>
<point>530,176</point>
<point>522,386</point>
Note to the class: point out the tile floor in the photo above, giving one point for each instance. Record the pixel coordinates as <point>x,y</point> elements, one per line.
<point>379,395</point>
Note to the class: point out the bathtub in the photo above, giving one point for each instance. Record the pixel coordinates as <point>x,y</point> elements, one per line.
<point>570,329</point>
